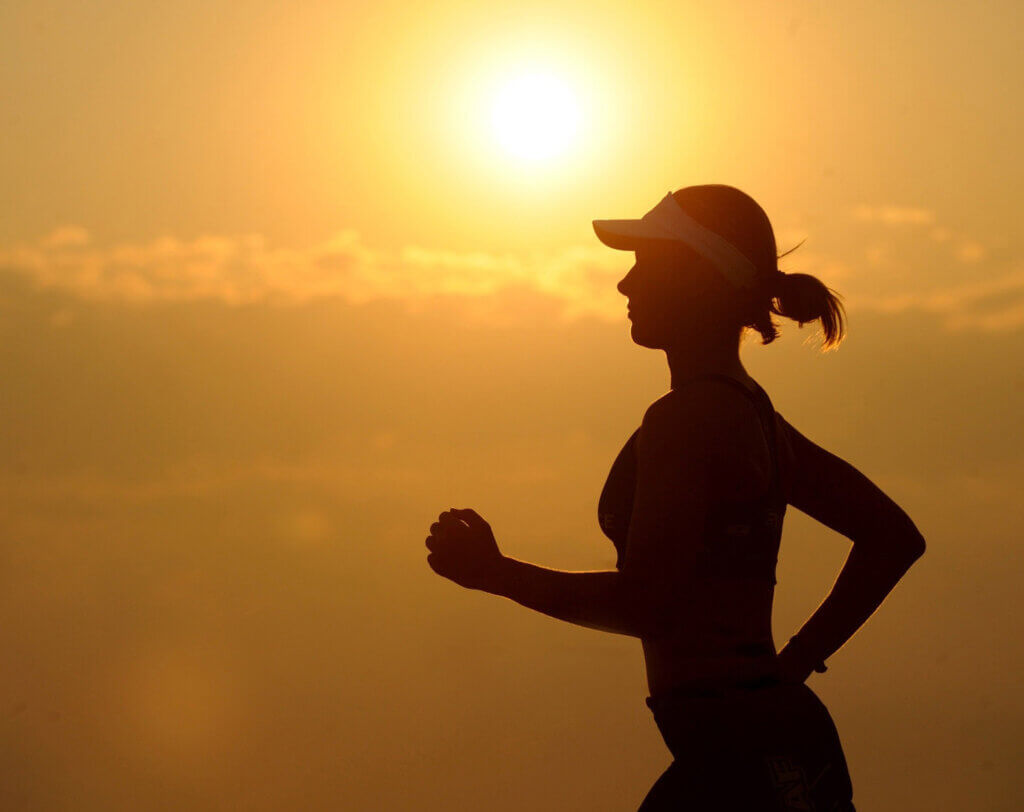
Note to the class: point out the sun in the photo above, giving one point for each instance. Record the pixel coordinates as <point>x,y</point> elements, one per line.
<point>535,116</point>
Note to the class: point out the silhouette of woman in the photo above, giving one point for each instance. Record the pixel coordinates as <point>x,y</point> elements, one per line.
<point>694,504</point>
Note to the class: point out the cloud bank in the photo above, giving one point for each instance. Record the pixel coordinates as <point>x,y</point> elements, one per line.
<point>901,246</point>
<point>246,269</point>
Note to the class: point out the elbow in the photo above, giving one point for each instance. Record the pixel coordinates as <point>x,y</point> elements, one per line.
<point>899,540</point>
<point>907,548</point>
<point>916,548</point>
<point>654,623</point>
<point>897,551</point>
<point>912,541</point>
<point>651,626</point>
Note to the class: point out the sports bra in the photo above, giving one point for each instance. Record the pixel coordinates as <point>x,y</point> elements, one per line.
<point>739,539</point>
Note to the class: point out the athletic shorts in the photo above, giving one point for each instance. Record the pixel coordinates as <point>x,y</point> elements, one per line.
<point>772,747</point>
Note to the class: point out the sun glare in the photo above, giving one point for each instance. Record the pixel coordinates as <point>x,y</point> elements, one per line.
<point>535,116</point>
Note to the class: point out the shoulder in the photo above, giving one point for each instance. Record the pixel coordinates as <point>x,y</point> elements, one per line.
<point>704,414</point>
<point>694,445</point>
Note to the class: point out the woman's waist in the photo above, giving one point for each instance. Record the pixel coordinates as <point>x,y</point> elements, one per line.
<point>672,668</point>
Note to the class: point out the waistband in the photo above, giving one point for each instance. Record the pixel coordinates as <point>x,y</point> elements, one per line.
<point>710,690</point>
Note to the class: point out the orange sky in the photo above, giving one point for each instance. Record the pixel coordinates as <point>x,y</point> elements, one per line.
<point>272,295</point>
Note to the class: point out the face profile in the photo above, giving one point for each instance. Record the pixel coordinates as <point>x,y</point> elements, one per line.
<point>670,293</point>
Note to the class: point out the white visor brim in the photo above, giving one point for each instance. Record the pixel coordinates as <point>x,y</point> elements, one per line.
<point>668,222</point>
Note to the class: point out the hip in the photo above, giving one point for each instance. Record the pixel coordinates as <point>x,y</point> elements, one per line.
<point>768,738</point>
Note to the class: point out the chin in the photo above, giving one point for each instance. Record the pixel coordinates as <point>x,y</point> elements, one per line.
<point>644,337</point>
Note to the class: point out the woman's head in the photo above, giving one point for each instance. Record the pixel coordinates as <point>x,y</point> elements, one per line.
<point>676,294</point>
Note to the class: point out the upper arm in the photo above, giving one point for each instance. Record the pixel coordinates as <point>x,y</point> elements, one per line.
<point>839,496</point>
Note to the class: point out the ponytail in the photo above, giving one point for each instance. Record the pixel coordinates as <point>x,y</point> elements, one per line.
<point>804,298</point>
<point>801,297</point>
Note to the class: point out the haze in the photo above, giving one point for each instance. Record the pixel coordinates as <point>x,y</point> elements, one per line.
<point>272,296</point>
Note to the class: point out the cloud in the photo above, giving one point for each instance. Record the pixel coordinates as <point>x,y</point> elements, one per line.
<point>911,262</point>
<point>577,280</point>
<point>962,247</point>
<point>246,269</point>
<point>990,304</point>
<point>970,251</point>
<point>894,215</point>
<point>67,236</point>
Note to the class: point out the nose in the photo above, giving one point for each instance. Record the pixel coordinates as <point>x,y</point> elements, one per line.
<point>626,283</point>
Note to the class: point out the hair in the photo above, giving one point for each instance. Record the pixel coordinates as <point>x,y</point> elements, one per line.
<point>799,296</point>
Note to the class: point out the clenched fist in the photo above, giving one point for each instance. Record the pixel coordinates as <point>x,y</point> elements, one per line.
<point>463,549</point>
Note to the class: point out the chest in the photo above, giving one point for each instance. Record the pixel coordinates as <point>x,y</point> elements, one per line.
<point>739,537</point>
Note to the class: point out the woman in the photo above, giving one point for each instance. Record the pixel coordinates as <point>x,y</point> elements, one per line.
<point>694,505</point>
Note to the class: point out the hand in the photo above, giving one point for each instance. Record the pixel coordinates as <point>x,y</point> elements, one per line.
<point>463,549</point>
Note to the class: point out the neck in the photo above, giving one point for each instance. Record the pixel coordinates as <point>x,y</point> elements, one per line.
<point>696,358</point>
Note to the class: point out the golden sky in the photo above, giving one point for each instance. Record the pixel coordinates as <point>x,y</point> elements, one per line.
<point>275,289</point>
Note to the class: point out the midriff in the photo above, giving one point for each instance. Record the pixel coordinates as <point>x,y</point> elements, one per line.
<point>707,650</point>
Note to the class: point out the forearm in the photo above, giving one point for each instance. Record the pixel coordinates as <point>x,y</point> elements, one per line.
<point>601,599</point>
<point>866,579</point>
